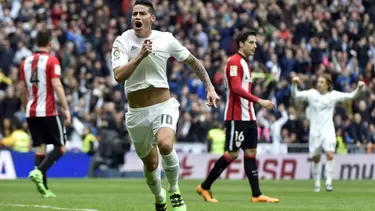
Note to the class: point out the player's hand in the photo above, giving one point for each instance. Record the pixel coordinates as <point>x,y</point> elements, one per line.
<point>296,80</point>
<point>212,97</point>
<point>281,108</point>
<point>146,48</point>
<point>361,84</point>
<point>67,117</point>
<point>266,104</point>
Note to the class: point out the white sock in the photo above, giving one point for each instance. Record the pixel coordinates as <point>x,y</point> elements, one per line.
<point>171,166</point>
<point>153,180</point>
<point>330,166</point>
<point>316,173</point>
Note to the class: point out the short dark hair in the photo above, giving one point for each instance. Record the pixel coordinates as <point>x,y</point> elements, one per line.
<point>243,35</point>
<point>146,3</point>
<point>43,37</point>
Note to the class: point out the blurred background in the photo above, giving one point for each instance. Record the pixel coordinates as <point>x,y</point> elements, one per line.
<point>305,38</point>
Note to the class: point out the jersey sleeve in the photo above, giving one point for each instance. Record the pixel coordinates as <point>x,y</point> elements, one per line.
<point>234,73</point>
<point>176,49</point>
<point>342,96</point>
<point>119,55</point>
<point>22,71</point>
<point>300,95</point>
<point>54,67</point>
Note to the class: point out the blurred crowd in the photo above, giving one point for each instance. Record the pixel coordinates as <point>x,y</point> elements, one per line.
<point>296,37</point>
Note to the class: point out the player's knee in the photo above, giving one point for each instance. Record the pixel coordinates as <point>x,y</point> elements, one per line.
<point>150,166</point>
<point>316,159</point>
<point>251,152</point>
<point>329,155</point>
<point>232,155</point>
<point>165,145</point>
<point>41,150</point>
<point>61,149</point>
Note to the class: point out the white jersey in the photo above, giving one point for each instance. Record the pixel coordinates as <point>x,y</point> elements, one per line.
<point>321,108</point>
<point>152,70</point>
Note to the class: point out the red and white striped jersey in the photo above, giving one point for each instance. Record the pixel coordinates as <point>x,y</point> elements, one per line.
<point>239,81</point>
<point>37,71</point>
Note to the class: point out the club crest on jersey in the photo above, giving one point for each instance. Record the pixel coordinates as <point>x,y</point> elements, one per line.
<point>233,70</point>
<point>116,54</point>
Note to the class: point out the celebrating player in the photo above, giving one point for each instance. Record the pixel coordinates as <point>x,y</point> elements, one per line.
<point>40,76</point>
<point>241,127</point>
<point>139,58</point>
<point>322,131</point>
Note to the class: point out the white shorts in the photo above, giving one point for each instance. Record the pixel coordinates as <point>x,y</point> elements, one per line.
<point>326,141</point>
<point>144,123</point>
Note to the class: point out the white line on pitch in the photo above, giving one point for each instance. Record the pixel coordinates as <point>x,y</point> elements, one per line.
<point>45,207</point>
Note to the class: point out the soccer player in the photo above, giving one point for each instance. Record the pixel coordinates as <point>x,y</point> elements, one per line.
<point>241,127</point>
<point>40,80</point>
<point>322,131</point>
<point>139,58</point>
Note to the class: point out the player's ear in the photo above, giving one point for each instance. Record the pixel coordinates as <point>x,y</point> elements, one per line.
<point>241,44</point>
<point>50,45</point>
<point>153,18</point>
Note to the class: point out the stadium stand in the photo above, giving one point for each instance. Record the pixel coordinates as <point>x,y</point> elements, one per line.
<point>305,38</point>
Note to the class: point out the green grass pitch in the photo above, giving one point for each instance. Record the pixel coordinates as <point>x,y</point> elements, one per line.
<point>234,195</point>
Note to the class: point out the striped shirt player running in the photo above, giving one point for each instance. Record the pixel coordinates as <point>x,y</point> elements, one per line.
<point>40,80</point>
<point>241,127</point>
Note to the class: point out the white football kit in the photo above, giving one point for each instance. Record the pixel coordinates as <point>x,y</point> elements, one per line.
<point>321,109</point>
<point>143,123</point>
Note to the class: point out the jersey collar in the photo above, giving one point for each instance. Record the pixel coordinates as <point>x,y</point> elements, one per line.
<point>242,56</point>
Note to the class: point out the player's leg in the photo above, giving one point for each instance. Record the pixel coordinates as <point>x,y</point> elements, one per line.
<point>249,138</point>
<point>40,155</point>
<point>40,151</point>
<point>316,168</point>
<point>330,165</point>
<point>232,152</point>
<point>329,146</point>
<point>142,137</point>
<point>204,189</point>
<point>164,129</point>
<point>152,174</point>
<point>171,165</point>
<point>55,135</point>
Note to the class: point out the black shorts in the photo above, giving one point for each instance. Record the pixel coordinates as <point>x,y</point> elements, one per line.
<point>47,130</point>
<point>241,135</point>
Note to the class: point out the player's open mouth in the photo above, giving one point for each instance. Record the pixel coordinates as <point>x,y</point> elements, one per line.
<point>138,25</point>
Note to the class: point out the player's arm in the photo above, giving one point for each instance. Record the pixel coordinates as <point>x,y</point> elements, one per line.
<point>54,70</point>
<point>180,53</point>
<point>198,68</point>
<point>342,96</point>
<point>296,94</point>
<point>234,75</point>
<point>122,67</point>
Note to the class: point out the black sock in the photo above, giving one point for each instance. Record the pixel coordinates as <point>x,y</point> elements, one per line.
<point>51,158</point>
<point>221,164</point>
<point>251,170</point>
<point>38,160</point>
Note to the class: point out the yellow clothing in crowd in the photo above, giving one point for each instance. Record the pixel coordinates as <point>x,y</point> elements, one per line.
<point>217,138</point>
<point>18,141</point>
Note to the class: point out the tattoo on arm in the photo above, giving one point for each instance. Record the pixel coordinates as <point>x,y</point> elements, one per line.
<point>198,69</point>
